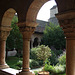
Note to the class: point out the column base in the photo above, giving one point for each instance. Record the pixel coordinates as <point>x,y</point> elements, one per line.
<point>25,73</point>
<point>4,66</point>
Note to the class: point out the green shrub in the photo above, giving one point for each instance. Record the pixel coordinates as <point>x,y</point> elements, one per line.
<point>36,72</point>
<point>34,64</point>
<point>62,59</point>
<point>53,58</point>
<point>33,53</point>
<point>59,69</point>
<point>40,62</point>
<point>19,64</point>
<point>49,68</point>
<point>58,52</point>
<point>55,69</point>
<point>43,52</point>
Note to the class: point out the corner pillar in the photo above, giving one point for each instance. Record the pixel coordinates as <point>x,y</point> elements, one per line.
<point>67,21</point>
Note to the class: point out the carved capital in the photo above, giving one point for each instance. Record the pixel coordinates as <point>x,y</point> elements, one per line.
<point>4,32</point>
<point>4,35</point>
<point>27,31</point>
<point>67,22</point>
<point>27,23</point>
<point>27,28</point>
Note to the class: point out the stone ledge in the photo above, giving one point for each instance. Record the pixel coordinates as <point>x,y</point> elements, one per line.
<point>8,71</point>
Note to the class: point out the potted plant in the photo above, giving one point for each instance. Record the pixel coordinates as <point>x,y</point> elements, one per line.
<point>43,53</point>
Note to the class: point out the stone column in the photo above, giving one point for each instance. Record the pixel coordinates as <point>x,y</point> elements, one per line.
<point>3,37</point>
<point>27,32</point>
<point>70,56</point>
<point>67,21</point>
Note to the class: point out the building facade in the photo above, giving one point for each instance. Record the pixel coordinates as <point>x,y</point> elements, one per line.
<point>38,34</point>
<point>53,19</point>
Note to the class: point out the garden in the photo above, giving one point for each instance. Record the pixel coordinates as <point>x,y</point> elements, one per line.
<point>52,60</point>
<point>55,64</point>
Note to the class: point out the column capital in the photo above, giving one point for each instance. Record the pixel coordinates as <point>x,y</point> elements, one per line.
<point>67,22</point>
<point>27,23</point>
<point>4,32</point>
<point>27,32</point>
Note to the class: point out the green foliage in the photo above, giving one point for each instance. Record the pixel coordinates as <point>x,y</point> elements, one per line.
<point>62,59</point>
<point>36,73</point>
<point>59,68</point>
<point>14,40</point>
<point>54,36</point>
<point>43,52</point>
<point>54,69</point>
<point>34,64</point>
<point>12,61</point>
<point>48,68</point>
<point>33,53</point>
<point>19,64</point>
<point>40,53</point>
<point>53,58</point>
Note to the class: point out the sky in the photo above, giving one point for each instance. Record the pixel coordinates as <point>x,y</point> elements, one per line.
<point>44,12</point>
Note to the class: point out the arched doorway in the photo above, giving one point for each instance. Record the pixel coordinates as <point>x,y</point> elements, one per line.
<point>35,44</point>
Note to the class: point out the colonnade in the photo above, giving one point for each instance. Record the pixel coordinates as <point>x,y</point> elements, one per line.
<point>66,20</point>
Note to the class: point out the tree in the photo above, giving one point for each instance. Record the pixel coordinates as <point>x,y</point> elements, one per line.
<point>54,36</point>
<point>14,40</point>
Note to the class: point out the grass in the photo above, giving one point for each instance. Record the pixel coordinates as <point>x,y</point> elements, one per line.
<point>11,61</point>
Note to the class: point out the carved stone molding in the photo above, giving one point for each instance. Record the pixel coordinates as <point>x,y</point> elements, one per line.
<point>27,23</point>
<point>67,22</point>
<point>27,28</point>
<point>4,32</point>
<point>4,35</point>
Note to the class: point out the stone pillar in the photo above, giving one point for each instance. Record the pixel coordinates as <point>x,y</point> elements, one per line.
<point>67,21</point>
<point>27,32</point>
<point>70,56</point>
<point>3,37</point>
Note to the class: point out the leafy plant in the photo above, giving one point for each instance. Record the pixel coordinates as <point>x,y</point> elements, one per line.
<point>34,64</point>
<point>33,54</point>
<point>54,36</point>
<point>62,59</point>
<point>53,58</point>
<point>43,52</point>
<point>19,64</point>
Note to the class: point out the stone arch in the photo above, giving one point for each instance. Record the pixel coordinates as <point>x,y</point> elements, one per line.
<point>7,17</point>
<point>34,9</point>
